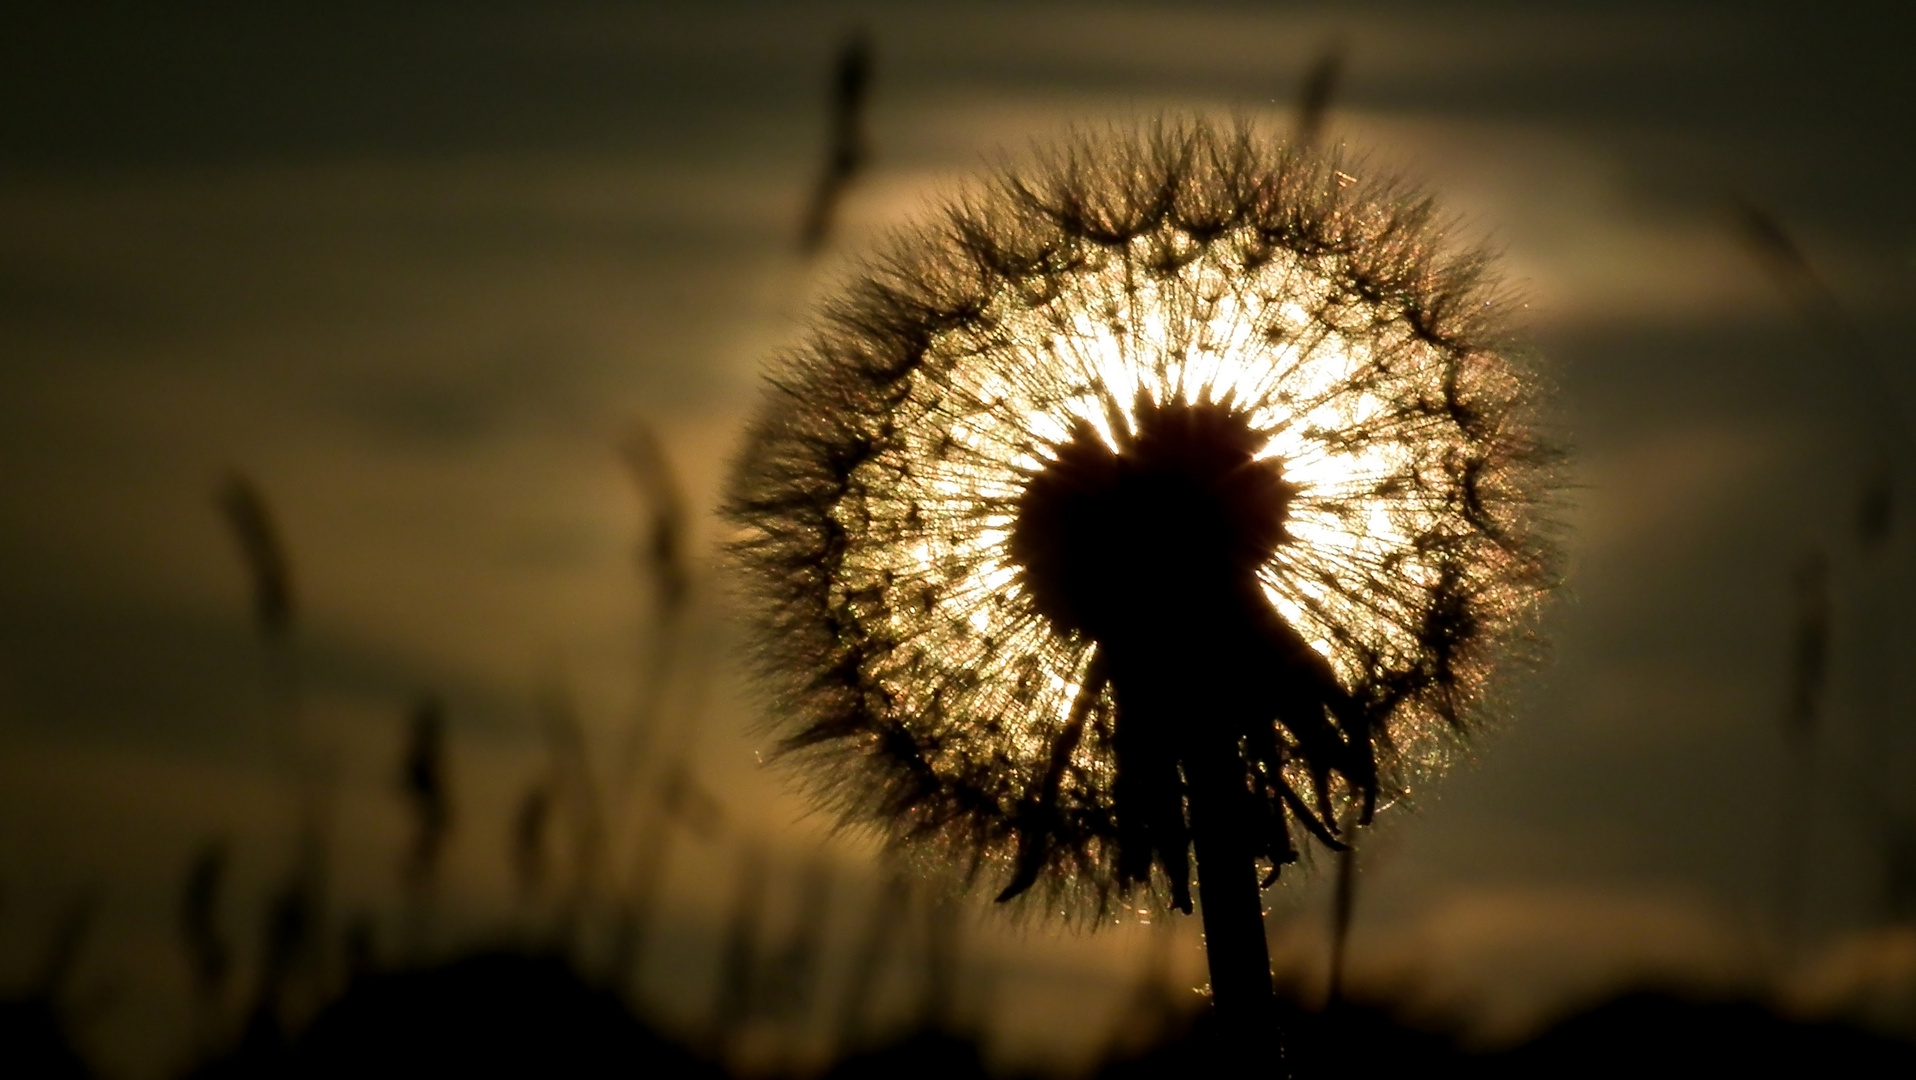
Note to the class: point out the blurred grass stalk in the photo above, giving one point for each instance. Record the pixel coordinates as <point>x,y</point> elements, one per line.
<point>424,783</point>
<point>208,954</point>
<point>291,977</point>
<point>846,149</point>
<point>1876,802</point>
<point>655,790</point>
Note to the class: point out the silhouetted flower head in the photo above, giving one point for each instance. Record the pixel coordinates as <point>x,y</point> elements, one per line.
<point>1179,431</point>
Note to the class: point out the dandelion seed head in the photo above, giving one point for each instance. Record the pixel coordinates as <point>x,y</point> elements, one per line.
<point>1159,360</point>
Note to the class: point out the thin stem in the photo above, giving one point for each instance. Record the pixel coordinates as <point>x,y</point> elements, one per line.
<point>1343,906</point>
<point>1227,885</point>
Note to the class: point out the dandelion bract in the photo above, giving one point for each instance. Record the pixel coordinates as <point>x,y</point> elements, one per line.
<point>1177,437</point>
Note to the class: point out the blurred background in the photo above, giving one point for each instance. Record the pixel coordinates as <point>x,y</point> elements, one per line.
<point>368,374</point>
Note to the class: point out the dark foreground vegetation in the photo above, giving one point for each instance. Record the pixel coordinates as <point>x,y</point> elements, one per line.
<point>507,1013</point>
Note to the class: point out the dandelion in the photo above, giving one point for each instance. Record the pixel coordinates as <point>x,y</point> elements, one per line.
<point>1172,497</point>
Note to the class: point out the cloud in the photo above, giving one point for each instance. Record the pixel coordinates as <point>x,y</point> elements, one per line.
<point>1506,958</point>
<point>1664,486</point>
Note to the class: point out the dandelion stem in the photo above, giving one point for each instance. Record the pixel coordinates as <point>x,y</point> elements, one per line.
<point>1343,906</point>
<point>1234,942</point>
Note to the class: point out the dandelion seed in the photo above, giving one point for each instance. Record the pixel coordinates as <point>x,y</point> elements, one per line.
<point>1179,491</point>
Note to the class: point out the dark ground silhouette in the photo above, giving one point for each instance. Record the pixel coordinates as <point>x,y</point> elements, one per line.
<point>506,1013</point>
<point>1650,1033</point>
<point>34,1043</point>
<point>495,1013</point>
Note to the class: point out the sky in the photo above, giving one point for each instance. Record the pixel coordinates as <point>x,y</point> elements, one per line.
<point>420,272</point>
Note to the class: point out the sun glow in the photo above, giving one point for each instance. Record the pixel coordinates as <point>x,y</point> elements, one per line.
<point>979,424</point>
